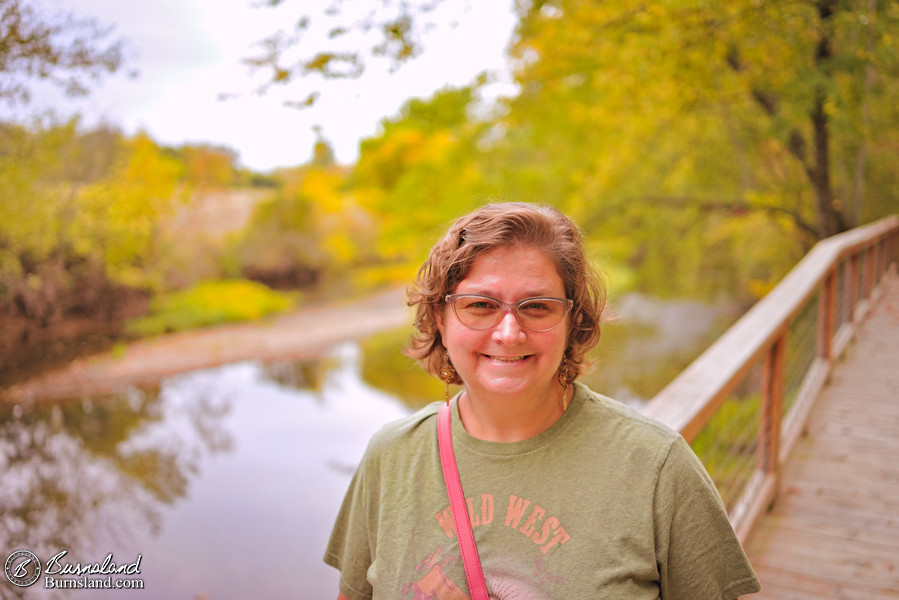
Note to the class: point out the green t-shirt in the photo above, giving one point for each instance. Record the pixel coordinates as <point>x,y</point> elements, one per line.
<point>604,504</point>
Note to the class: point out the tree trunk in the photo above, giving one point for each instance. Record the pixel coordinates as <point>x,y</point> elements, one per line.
<point>858,195</point>
<point>828,207</point>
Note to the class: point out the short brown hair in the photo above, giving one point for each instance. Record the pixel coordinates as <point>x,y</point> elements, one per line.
<point>502,225</point>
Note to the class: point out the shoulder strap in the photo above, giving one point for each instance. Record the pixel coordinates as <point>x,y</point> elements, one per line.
<point>476,584</point>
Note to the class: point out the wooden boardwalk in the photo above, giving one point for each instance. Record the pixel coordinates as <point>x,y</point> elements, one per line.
<point>834,529</point>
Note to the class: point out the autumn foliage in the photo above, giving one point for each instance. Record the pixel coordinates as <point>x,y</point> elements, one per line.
<point>702,146</point>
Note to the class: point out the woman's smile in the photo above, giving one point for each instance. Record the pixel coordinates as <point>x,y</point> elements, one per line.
<point>507,358</point>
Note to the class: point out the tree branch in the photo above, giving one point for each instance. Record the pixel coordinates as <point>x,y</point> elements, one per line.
<point>770,105</point>
<point>735,207</point>
<point>63,50</point>
<point>390,30</point>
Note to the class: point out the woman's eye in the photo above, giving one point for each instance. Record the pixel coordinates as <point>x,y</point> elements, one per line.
<point>481,305</point>
<point>535,307</point>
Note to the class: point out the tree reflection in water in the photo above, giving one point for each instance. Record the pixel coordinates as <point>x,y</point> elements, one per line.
<point>201,475</point>
<point>89,474</point>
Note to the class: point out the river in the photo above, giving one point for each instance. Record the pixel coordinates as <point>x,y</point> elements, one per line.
<point>224,482</point>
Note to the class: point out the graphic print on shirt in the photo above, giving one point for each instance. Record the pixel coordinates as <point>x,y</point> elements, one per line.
<point>525,575</point>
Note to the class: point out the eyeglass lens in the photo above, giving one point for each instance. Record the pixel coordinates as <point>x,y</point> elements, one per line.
<point>483,312</point>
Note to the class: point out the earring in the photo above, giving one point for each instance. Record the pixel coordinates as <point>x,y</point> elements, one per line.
<point>448,375</point>
<point>565,378</point>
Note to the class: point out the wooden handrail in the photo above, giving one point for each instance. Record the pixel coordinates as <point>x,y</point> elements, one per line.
<point>759,338</point>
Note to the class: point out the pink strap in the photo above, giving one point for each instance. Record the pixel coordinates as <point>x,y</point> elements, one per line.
<point>470,559</point>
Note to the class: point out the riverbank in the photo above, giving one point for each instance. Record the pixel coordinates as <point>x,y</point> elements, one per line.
<point>305,333</point>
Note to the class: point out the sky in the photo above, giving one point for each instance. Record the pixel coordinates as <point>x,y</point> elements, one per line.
<point>187,53</point>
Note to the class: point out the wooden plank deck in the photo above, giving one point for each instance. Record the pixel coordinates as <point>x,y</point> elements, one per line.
<point>834,529</point>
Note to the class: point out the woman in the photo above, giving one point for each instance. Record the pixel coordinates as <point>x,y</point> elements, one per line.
<point>570,494</point>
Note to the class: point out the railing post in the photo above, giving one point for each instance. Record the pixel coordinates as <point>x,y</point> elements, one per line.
<point>870,275</point>
<point>852,282</point>
<point>827,309</point>
<point>878,261</point>
<point>772,407</point>
<point>892,248</point>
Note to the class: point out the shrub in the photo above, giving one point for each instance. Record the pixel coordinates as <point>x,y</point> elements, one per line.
<point>210,303</point>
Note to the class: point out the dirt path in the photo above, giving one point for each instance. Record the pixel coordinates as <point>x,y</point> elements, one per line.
<point>306,333</point>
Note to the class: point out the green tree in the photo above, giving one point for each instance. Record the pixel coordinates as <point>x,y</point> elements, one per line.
<point>763,98</point>
<point>662,127</point>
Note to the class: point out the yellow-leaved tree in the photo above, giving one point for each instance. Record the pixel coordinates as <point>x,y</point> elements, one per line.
<point>68,236</point>
<point>310,231</point>
<point>118,217</point>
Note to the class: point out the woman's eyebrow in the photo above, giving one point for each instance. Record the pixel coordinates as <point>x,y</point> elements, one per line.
<point>538,293</point>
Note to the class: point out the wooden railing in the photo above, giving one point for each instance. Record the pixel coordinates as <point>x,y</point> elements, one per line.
<point>744,402</point>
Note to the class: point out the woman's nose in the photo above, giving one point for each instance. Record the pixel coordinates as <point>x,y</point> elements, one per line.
<point>508,329</point>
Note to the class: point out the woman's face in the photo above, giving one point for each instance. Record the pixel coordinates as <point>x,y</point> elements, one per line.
<point>507,359</point>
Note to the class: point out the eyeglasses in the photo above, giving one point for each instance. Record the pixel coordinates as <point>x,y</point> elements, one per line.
<point>483,312</point>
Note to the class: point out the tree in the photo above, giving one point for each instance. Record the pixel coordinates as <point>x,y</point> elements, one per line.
<point>783,82</point>
<point>208,166</point>
<point>66,243</point>
<point>309,231</point>
<point>118,217</point>
<point>673,131</point>
<point>64,50</point>
<point>420,172</point>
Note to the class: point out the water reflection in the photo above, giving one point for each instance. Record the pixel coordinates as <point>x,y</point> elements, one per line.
<point>83,475</point>
<point>226,480</point>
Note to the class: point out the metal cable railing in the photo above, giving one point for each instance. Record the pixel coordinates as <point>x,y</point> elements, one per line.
<point>743,403</point>
<point>728,443</point>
